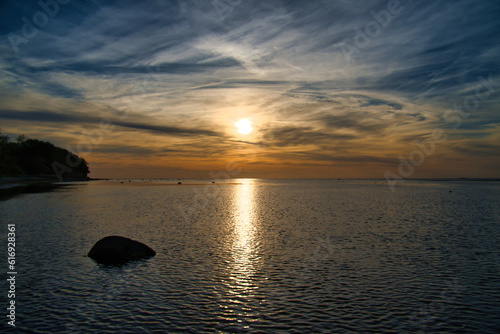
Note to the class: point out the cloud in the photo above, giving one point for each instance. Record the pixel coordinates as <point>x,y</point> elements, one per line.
<point>78,118</point>
<point>360,122</point>
<point>57,89</point>
<point>105,68</point>
<point>45,116</point>
<point>186,70</point>
<point>332,158</point>
<point>171,130</point>
<point>299,136</point>
<point>135,150</point>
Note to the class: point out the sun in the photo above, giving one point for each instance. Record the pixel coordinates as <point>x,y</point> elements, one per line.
<point>244,126</point>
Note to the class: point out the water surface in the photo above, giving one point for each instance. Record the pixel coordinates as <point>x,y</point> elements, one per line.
<point>260,256</point>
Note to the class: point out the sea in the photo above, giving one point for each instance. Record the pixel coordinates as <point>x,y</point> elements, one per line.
<point>256,256</point>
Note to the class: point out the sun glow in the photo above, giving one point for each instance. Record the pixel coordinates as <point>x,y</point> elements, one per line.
<point>244,126</point>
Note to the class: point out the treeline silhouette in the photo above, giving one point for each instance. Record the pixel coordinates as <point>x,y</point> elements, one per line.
<point>33,157</point>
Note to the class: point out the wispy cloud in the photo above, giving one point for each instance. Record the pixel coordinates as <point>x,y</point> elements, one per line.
<point>183,71</point>
<point>52,117</point>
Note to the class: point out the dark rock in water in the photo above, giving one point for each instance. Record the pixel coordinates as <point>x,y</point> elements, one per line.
<point>116,250</point>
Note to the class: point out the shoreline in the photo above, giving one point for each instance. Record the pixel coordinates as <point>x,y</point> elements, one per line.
<point>14,186</point>
<point>36,179</point>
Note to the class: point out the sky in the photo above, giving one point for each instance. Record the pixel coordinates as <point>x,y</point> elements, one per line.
<point>332,88</point>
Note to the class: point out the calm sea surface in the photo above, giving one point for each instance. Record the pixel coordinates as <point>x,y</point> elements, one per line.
<point>259,256</point>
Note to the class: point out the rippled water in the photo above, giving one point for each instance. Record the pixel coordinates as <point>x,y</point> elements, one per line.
<point>260,256</point>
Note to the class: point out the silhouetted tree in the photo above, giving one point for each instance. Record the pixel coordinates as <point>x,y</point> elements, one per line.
<point>20,138</point>
<point>35,157</point>
<point>3,139</point>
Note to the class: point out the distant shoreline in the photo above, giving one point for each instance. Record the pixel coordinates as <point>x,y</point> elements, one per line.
<point>305,179</point>
<point>35,179</point>
<point>12,186</point>
<point>53,179</point>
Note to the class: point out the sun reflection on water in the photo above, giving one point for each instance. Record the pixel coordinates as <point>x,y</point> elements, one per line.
<point>241,282</point>
<point>244,243</point>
